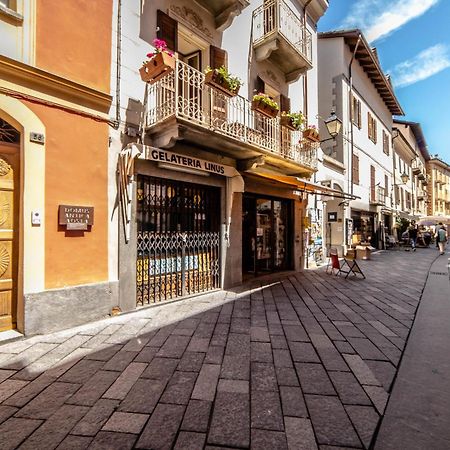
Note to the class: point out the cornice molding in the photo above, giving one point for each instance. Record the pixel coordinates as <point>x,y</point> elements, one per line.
<point>50,84</point>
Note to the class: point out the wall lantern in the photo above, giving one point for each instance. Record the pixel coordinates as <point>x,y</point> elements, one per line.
<point>333,124</point>
<point>404,177</point>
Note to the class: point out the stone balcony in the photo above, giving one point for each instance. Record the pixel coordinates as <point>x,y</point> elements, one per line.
<point>224,11</point>
<point>281,37</point>
<point>181,107</point>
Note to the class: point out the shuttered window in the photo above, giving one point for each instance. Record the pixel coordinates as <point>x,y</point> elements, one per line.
<point>167,30</point>
<point>259,85</point>
<point>356,111</point>
<point>355,169</point>
<point>372,183</point>
<point>385,143</point>
<point>372,128</point>
<point>285,103</point>
<point>217,57</point>
<point>386,185</point>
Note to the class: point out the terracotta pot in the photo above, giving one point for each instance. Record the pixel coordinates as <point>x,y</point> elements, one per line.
<point>311,135</point>
<point>215,80</point>
<point>158,67</point>
<point>287,122</point>
<point>264,108</point>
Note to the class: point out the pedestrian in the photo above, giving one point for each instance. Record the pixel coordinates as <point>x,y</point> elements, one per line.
<point>441,237</point>
<point>412,234</point>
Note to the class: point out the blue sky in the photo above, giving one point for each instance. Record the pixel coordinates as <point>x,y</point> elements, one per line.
<point>413,42</point>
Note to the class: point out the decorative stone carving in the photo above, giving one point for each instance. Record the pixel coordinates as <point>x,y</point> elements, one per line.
<point>192,18</point>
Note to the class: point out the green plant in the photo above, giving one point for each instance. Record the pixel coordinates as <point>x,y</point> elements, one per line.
<point>402,224</point>
<point>234,83</point>
<point>264,98</point>
<point>297,119</point>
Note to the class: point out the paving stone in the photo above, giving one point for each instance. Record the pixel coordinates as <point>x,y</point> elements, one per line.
<point>230,424</point>
<point>146,355</point>
<point>6,412</point>
<point>15,430</point>
<point>179,389</point>
<point>266,411</point>
<point>240,325</point>
<point>361,370</point>
<point>94,419</point>
<point>264,439</point>
<point>120,361</point>
<point>384,371</point>
<point>214,355</point>
<point>104,353</point>
<point>295,333</point>
<point>259,334</point>
<point>299,434</point>
<point>347,329</point>
<point>82,371</point>
<point>314,379</point>
<point>198,345</point>
<point>125,382</point>
<point>344,347</point>
<point>279,342</point>
<point>48,401</point>
<point>161,369</point>
<point>282,358</point>
<point>205,387</point>
<point>191,362</point>
<point>303,352</point>
<point>235,367</point>
<point>4,374</point>
<point>52,432</point>
<point>107,440</point>
<point>238,345</point>
<point>10,387</point>
<point>293,402</point>
<point>366,349</point>
<point>238,386</point>
<point>167,418</point>
<point>28,356</point>
<point>160,337</point>
<point>75,443</point>
<point>261,352</point>
<point>365,420</point>
<point>263,377</point>
<point>174,347</point>
<point>143,396</point>
<point>126,422</point>
<point>190,441</point>
<point>29,391</point>
<point>349,390</point>
<point>93,389</point>
<point>286,376</point>
<point>338,431</point>
<point>378,396</point>
<point>196,417</point>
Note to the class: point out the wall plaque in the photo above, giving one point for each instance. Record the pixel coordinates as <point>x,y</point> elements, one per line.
<point>76,217</point>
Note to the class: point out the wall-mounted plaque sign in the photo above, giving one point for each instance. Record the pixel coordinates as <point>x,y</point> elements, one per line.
<point>332,216</point>
<point>76,217</point>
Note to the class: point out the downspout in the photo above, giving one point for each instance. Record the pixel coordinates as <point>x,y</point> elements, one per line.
<point>118,61</point>
<point>350,111</point>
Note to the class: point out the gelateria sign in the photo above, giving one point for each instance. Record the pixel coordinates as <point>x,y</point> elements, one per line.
<point>76,217</point>
<point>163,156</point>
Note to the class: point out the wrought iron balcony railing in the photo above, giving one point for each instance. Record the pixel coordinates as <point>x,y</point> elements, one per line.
<point>378,196</point>
<point>183,94</point>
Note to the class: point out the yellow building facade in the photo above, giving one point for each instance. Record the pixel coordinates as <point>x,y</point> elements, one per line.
<point>439,173</point>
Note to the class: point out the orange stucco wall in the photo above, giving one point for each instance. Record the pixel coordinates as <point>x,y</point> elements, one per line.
<point>76,164</point>
<point>73,40</point>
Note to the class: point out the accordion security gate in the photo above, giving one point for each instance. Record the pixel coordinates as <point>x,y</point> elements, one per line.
<point>178,239</point>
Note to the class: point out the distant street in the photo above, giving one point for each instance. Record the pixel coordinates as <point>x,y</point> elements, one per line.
<point>293,361</point>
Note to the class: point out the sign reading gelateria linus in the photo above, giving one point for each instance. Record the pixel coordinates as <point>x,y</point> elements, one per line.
<point>76,217</point>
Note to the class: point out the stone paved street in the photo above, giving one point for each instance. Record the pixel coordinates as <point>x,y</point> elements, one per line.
<point>298,361</point>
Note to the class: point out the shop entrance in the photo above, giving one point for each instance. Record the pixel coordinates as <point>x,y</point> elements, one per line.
<point>178,237</point>
<point>266,234</point>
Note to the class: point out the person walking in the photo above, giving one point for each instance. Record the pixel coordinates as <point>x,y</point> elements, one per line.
<point>412,234</point>
<point>441,237</point>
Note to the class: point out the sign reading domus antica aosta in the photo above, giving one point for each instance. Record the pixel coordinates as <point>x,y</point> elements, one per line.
<point>76,217</point>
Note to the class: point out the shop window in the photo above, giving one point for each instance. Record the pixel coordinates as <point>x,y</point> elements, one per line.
<point>372,128</point>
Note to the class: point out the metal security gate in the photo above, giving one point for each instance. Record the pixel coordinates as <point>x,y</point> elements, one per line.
<point>178,239</point>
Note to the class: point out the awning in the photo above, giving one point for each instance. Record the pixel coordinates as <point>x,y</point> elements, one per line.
<point>305,186</point>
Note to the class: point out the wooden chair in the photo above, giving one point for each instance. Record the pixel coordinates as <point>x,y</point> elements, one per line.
<point>343,265</point>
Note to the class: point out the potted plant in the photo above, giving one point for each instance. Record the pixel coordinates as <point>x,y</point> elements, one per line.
<point>292,120</point>
<point>222,80</point>
<point>265,105</point>
<point>311,133</point>
<point>161,62</point>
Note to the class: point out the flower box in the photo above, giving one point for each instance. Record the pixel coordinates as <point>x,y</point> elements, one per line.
<point>288,122</point>
<point>311,135</point>
<point>264,108</point>
<point>214,79</point>
<point>157,67</point>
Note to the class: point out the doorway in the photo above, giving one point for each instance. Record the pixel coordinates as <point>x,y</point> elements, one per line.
<point>266,234</point>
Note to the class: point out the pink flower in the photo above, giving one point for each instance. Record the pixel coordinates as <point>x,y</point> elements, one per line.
<point>150,55</point>
<point>160,44</point>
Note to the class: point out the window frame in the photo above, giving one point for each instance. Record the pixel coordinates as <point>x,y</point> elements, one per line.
<point>371,128</point>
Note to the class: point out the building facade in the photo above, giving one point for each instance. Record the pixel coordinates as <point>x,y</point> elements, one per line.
<point>212,189</point>
<point>359,160</point>
<point>54,127</point>
<point>439,180</point>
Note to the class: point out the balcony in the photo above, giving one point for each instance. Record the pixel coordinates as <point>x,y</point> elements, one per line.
<point>224,11</point>
<point>378,197</point>
<point>417,168</point>
<point>282,38</point>
<point>181,107</point>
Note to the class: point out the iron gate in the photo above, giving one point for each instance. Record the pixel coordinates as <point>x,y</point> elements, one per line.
<point>178,239</point>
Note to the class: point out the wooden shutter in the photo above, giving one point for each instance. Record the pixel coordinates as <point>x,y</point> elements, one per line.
<point>374,130</point>
<point>372,183</point>
<point>369,125</point>
<point>397,195</point>
<point>285,103</point>
<point>386,185</point>
<point>355,169</point>
<point>259,85</point>
<point>167,30</point>
<point>217,57</point>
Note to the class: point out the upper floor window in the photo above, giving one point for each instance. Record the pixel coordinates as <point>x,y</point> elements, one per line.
<point>355,169</point>
<point>385,143</point>
<point>356,111</point>
<point>372,128</point>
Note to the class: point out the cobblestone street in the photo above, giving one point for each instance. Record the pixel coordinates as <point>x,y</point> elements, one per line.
<point>298,361</point>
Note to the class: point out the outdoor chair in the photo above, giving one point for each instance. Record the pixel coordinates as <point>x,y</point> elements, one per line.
<point>342,265</point>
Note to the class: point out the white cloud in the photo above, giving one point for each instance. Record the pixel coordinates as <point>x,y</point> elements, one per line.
<point>425,64</point>
<point>379,18</point>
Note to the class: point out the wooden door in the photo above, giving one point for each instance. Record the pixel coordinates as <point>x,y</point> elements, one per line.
<point>9,228</point>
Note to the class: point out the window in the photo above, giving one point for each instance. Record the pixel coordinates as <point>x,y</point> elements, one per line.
<point>372,128</point>
<point>385,143</point>
<point>386,184</point>
<point>372,183</point>
<point>356,111</point>
<point>355,169</point>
